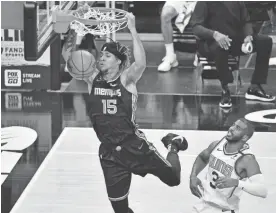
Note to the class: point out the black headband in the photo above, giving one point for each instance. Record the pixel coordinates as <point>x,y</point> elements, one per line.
<point>116,49</point>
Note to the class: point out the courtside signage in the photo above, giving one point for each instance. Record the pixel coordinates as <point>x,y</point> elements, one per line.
<point>14,140</point>
<point>13,101</point>
<point>13,78</point>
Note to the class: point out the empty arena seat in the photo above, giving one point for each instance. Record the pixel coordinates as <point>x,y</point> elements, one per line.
<point>184,42</point>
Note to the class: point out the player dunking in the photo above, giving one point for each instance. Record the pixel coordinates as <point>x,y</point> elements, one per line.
<point>112,99</point>
<point>230,163</point>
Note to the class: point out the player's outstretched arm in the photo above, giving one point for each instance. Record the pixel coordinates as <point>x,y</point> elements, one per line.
<point>70,44</point>
<point>136,70</point>
<point>73,40</point>
<point>255,184</point>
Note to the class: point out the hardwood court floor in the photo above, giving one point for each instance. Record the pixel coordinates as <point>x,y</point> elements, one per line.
<point>70,178</point>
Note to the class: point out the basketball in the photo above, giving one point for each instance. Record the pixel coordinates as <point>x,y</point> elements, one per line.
<point>81,64</point>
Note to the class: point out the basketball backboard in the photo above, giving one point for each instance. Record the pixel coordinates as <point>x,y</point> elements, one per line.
<point>38,26</point>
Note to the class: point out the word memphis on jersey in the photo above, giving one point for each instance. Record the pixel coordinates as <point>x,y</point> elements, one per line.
<point>107,92</point>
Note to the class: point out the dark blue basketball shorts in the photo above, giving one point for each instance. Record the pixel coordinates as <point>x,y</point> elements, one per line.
<point>136,156</point>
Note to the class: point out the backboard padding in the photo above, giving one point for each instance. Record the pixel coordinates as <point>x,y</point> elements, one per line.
<point>12,15</point>
<point>38,26</point>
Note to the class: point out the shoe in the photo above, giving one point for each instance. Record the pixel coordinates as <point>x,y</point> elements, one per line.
<point>225,101</point>
<point>179,141</point>
<point>168,63</point>
<point>258,94</point>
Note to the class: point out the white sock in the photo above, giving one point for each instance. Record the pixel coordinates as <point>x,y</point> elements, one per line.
<point>169,49</point>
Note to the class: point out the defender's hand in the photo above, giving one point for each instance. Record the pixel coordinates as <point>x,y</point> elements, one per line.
<point>224,182</point>
<point>223,40</point>
<point>195,182</point>
<point>130,21</point>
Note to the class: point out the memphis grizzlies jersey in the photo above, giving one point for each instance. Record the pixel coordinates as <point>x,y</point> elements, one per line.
<point>112,110</point>
<point>223,164</point>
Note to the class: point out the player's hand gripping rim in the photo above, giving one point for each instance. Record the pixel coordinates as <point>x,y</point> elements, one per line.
<point>130,21</point>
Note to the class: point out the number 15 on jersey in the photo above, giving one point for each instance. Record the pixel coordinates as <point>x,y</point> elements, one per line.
<point>109,106</point>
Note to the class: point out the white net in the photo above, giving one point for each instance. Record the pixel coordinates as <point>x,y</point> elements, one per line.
<point>102,21</point>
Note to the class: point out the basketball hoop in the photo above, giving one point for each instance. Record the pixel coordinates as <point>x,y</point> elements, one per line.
<point>94,20</point>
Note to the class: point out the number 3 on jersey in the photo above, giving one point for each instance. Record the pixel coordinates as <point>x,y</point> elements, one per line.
<point>109,106</point>
<point>215,178</point>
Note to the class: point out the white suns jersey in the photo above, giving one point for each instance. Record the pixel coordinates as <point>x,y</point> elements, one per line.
<point>221,164</point>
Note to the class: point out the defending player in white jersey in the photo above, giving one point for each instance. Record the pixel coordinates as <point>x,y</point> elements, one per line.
<point>232,169</point>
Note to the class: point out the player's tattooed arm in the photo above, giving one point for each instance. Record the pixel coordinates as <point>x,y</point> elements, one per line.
<point>70,44</point>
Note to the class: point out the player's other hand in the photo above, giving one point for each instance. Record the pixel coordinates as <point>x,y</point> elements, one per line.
<point>224,182</point>
<point>223,40</point>
<point>130,21</point>
<point>195,183</point>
